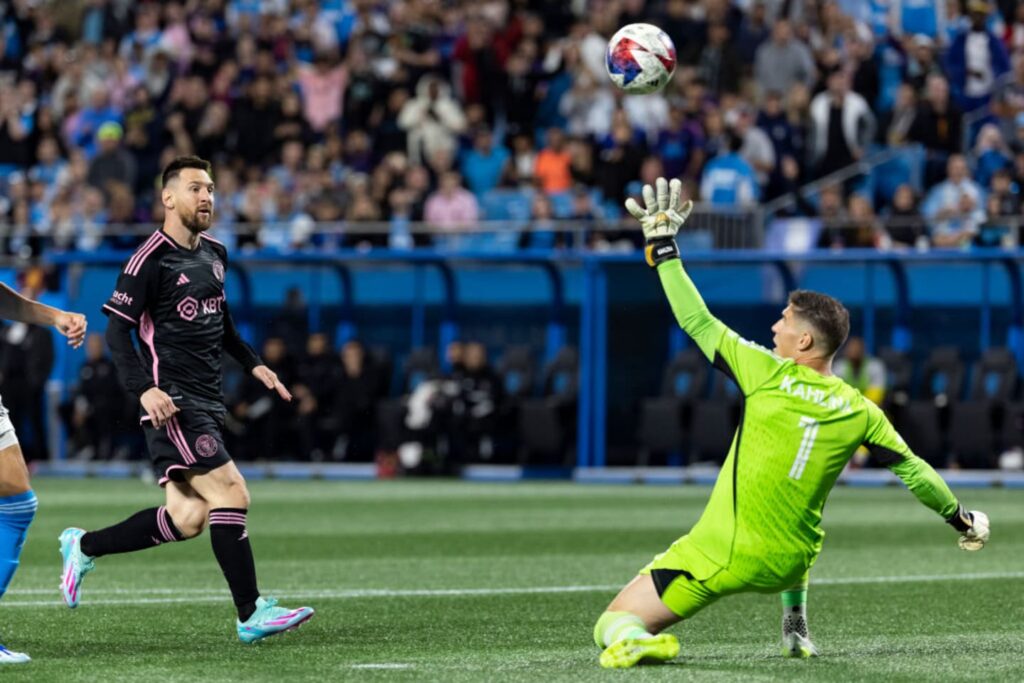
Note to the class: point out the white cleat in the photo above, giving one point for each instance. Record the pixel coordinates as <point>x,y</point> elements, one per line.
<point>8,657</point>
<point>798,647</point>
<point>796,640</point>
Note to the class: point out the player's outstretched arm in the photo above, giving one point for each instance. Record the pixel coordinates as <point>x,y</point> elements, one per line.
<point>14,306</point>
<point>238,349</point>
<point>924,482</point>
<point>664,215</point>
<point>748,364</point>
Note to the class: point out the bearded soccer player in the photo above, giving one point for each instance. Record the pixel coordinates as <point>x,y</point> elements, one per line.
<point>17,500</point>
<point>800,425</point>
<point>171,292</point>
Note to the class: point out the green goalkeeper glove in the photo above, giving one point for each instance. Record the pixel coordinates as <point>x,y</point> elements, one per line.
<point>665,214</point>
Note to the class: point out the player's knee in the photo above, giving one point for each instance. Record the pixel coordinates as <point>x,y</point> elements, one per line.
<point>236,494</point>
<point>190,518</point>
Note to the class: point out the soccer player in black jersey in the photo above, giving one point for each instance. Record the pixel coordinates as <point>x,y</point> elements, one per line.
<point>171,292</point>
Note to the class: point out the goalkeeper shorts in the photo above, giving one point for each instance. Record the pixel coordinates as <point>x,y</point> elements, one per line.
<point>687,581</point>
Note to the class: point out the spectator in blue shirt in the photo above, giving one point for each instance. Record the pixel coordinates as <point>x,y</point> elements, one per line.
<point>728,179</point>
<point>483,164</point>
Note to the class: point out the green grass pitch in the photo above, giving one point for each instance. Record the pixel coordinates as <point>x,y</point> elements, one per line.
<point>452,581</point>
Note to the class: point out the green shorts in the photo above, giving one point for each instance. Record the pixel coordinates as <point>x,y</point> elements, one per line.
<point>688,581</point>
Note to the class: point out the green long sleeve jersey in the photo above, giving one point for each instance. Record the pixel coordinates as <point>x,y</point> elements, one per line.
<point>798,428</point>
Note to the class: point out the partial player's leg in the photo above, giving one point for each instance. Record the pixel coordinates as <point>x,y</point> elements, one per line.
<point>630,629</point>
<point>17,509</point>
<point>225,491</point>
<point>796,639</point>
<point>182,517</point>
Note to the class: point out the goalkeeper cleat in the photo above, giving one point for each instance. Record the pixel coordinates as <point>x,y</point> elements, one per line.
<point>76,565</point>
<point>797,646</point>
<point>8,657</point>
<point>796,640</point>
<point>269,620</point>
<point>629,652</point>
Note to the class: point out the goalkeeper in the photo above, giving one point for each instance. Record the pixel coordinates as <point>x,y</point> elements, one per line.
<point>799,426</point>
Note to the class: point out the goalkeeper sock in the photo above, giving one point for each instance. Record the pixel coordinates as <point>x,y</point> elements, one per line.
<point>612,627</point>
<point>16,513</point>
<point>144,529</point>
<point>794,611</point>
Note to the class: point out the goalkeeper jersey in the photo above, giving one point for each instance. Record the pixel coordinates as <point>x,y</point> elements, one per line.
<point>798,428</point>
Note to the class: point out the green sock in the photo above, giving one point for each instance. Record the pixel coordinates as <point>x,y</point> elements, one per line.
<point>795,597</point>
<point>614,626</point>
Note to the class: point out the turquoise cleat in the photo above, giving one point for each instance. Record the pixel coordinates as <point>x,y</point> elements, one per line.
<point>76,565</point>
<point>269,619</point>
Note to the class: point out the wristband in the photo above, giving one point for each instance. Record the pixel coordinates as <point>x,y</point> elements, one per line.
<point>660,250</point>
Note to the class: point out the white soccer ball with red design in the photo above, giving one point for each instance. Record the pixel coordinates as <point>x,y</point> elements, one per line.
<point>641,59</point>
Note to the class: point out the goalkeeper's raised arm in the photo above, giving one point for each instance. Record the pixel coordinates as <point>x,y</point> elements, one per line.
<point>665,213</point>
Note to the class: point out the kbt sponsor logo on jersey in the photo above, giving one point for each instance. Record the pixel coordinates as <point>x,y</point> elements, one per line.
<point>121,298</point>
<point>813,395</point>
<point>190,308</point>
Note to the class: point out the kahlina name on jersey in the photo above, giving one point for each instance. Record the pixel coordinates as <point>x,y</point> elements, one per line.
<point>815,396</point>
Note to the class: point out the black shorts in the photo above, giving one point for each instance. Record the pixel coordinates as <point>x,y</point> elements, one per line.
<point>191,440</point>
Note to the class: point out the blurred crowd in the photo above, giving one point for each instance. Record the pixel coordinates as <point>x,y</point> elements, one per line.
<point>353,122</point>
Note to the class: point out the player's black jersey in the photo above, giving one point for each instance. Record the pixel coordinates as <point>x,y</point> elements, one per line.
<point>175,297</point>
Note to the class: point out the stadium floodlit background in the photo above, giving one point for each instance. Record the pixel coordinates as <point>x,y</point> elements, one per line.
<point>423,203</point>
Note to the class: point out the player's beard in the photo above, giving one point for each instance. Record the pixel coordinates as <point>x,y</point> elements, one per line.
<point>195,224</point>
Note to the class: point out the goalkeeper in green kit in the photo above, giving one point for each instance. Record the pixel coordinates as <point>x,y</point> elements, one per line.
<point>798,428</point>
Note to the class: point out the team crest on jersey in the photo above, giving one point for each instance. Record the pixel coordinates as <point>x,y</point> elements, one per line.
<point>188,308</point>
<point>218,270</point>
<point>206,446</point>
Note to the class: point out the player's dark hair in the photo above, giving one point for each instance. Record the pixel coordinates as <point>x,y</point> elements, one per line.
<point>826,315</point>
<point>175,168</point>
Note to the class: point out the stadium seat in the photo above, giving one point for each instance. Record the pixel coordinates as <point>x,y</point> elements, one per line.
<point>976,426</point>
<point>714,421</point>
<point>665,419</point>
<point>943,376</point>
<point>899,375</point>
<point>925,421</point>
<point>516,371</point>
<point>994,376</point>
<point>547,424</point>
<point>1012,429</point>
<point>920,428</point>
<point>972,434</point>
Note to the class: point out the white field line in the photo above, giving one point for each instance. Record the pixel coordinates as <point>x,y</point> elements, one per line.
<point>186,595</point>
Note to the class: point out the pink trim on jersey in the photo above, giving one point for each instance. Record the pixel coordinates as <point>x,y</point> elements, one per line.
<point>167,474</point>
<point>147,248</point>
<point>176,435</point>
<point>146,330</point>
<point>212,239</point>
<point>136,261</point>
<point>114,310</point>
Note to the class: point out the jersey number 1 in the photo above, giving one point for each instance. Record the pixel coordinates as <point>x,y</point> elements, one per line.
<point>810,427</point>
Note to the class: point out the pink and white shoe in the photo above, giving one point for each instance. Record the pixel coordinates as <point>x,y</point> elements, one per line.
<point>76,565</point>
<point>269,620</point>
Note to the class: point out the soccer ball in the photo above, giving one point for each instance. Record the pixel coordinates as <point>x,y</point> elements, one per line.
<point>641,59</point>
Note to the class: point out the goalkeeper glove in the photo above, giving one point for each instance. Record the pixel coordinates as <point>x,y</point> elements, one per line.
<point>973,528</point>
<point>665,214</point>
